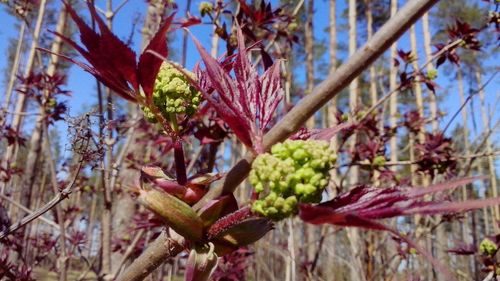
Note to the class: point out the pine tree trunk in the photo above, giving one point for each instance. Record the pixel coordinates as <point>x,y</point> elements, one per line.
<point>428,54</point>
<point>466,235</point>
<point>28,190</point>
<point>11,151</point>
<point>124,206</point>
<point>328,269</point>
<point>15,67</point>
<point>62,259</point>
<point>369,33</point>
<point>353,234</point>
<point>489,151</point>
<point>309,50</point>
<point>393,101</point>
<point>106,165</point>
<point>310,237</point>
<point>353,86</point>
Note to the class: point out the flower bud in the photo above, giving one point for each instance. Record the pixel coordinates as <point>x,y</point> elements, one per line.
<point>295,171</point>
<point>205,8</point>
<point>488,247</point>
<point>173,94</point>
<point>176,214</point>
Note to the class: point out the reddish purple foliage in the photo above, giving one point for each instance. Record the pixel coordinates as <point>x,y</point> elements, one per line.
<point>363,205</point>
<point>319,134</point>
<point>413,121</point>
<point>436,154</point>
<point>12,136</point>
<point>460,31</point>
<point>247,102</point>
<point>232,267</point>
<point>112,62</point>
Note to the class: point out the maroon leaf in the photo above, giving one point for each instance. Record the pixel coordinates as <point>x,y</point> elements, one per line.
<point>362,205</point>
<point>247,102</point>
<point>224,104</point>
<point>111,61</point>
<point>149,64</point>
<point>191,20</point>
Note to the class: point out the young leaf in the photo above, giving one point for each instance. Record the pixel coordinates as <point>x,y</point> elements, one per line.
<point>246,102</point>
<point>176,214</point>
<point>201,263</point>
<point>363,205</point>
<point>111,61</point>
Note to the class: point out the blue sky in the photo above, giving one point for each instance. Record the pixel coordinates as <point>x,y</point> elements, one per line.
<point>82,84</point>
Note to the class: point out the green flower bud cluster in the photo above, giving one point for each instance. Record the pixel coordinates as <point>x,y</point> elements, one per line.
<point>487,247</point>
<point>432,74</point>
<point>173,94</point>
<point>205,8</point>
<point>295,171</point>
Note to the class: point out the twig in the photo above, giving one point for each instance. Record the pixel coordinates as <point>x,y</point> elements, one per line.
<point>42,218</point>
<point>398,88</point>
<point>408,162</point>
<point>121,5</point>
<point>487,134</point>
<point>63,194</point>
<point>22,113</point>
<point>471,95</point>
<point>63,254</point>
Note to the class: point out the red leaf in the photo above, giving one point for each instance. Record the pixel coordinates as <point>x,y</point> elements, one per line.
<point>111,61</point>
<point>191,20</point>
<point>247,102</point>
<point>149,64</point>
<point>363,204</point>
<point>225,105</point>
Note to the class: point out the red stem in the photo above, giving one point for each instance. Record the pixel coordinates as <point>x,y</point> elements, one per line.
<point>180,163</point>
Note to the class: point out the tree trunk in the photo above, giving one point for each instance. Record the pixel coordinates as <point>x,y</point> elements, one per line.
<point>11,151</point>
<point>428,55</point>
<point>466,234</point>
<point>393,101</point>
<point>28,190</point>
<point>124,206</point>
<point>309,49</point>
<point>310,237</point>
<point>353,86</point>
<point>355,240</point>
<point>489,151</point>
<point>369,34</point>
<point>15,67</point>
<point>62,259</point>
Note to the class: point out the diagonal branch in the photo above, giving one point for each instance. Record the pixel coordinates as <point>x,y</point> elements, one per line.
<point>63,194</point>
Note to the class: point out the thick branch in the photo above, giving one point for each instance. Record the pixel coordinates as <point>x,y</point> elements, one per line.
<point>157,252</point>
